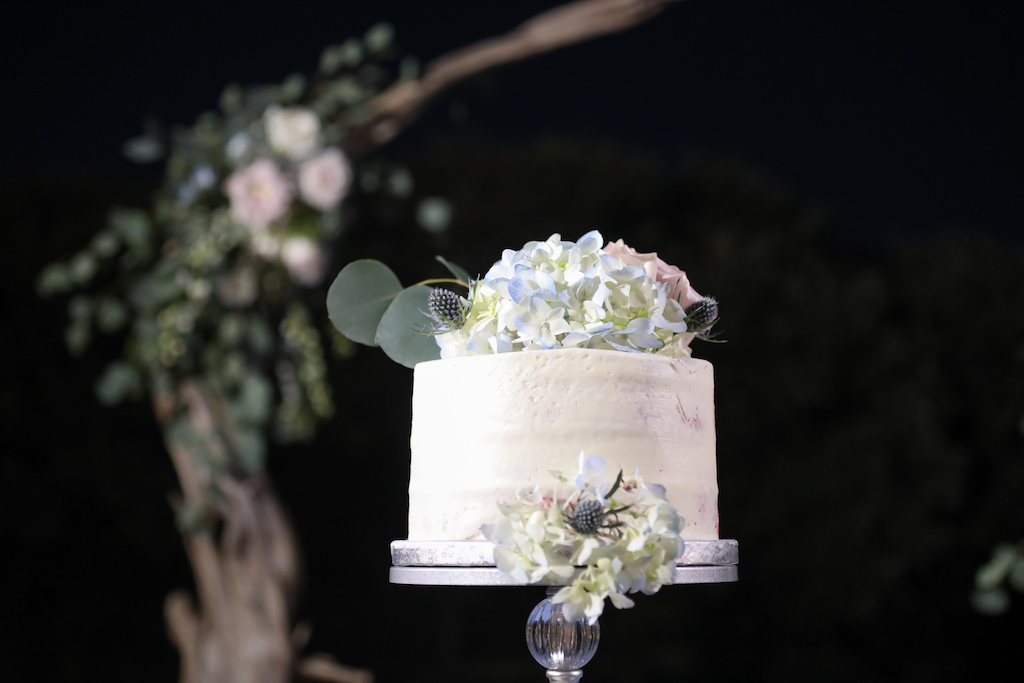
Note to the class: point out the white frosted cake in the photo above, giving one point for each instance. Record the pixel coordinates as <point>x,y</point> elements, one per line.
<point>566,424</point>
<point>486,425</point>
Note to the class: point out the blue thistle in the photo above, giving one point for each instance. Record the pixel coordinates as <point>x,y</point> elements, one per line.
<point>587,516</point>
<point>446,308</point>
<point>701,315</point>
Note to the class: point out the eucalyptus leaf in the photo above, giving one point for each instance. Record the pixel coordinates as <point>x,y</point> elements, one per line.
<point>358,298</point>
<point>401,331</point>
<point>459,272</point>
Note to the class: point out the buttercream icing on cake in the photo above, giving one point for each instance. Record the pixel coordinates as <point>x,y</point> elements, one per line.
<point>484,426</point>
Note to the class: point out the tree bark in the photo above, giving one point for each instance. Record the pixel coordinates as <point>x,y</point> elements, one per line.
<point>399,105</point>
<point>245,561</point>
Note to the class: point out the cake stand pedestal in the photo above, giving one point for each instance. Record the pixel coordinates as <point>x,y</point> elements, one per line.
<point>560,646</point>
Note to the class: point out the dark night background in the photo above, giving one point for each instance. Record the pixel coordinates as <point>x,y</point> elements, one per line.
<point>845,177</point>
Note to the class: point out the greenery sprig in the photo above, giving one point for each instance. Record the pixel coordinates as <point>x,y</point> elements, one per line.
<point>368,304</point>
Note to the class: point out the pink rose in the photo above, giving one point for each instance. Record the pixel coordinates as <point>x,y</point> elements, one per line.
<point>657,270</point>
<point>324,179</point>
<point>259,194</point>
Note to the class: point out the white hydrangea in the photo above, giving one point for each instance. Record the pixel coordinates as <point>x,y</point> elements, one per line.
<point>560,294</point>
<point>534,541</point>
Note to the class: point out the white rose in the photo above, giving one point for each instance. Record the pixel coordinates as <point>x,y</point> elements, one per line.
<point>304,260</point>
<point>292,131</point>
<point>324,179</point>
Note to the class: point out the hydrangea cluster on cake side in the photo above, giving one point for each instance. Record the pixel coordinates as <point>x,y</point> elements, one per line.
<point>624,536</point>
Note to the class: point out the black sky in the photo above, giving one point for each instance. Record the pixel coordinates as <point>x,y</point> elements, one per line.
<point>894,116</point>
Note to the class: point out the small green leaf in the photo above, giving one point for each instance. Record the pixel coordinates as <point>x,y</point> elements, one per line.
<point>350,52</point>
<point>252,407</point>
<point>110,315</point>
<point>379,37</point>
<point>358,298</point>
<point>331,59</point>
<point>133,227</point>
<point>400,333</point>
<point>190,518</point>
<point>252,450</point>
<point>143,149</point>
<point>55,278</point>
<point>105,244</point>
<point>293,87</point>
<point>991,602</point>
<point>459,272</point>
<point>76,336</point>
<point>118,381</point>
<point>82,267</point>
<point>260,336</point>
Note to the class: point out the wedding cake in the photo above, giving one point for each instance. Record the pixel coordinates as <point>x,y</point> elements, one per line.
<point>564,424</point>
<point>563,348</point>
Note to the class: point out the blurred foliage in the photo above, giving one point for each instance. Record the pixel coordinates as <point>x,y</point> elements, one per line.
<point>218,278</point>
<point>1005,569</point>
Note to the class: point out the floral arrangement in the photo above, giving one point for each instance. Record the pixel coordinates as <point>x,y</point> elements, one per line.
<point>213,281</point>
<point>625,537</point>
<point>548,295</point>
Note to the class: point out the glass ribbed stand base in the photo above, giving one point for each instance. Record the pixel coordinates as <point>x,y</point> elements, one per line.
<point>562,647</point>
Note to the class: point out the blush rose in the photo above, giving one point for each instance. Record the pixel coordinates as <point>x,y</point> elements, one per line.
<point>657,270</point>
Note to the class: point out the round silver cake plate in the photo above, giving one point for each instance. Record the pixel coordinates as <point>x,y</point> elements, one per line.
<point>560,646</point>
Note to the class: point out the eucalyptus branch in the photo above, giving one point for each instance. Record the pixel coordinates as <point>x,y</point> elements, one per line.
<point>442,280</point>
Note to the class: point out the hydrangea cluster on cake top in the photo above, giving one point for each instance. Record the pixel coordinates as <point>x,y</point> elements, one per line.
<point>550,294</point>
<point>601,541</point>
<point>560,294</point>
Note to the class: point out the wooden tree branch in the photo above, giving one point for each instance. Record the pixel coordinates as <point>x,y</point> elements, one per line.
<point>575,22</point>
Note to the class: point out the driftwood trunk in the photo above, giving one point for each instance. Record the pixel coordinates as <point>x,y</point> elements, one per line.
<point>245,560</point>
<point>239,626</point>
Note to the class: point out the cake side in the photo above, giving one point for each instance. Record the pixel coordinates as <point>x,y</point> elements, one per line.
<point>484,426</point>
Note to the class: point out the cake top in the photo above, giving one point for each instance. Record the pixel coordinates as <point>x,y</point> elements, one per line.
<point>550,294</point>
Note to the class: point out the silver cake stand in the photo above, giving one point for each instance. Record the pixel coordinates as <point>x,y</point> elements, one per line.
<point>560,646</point>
